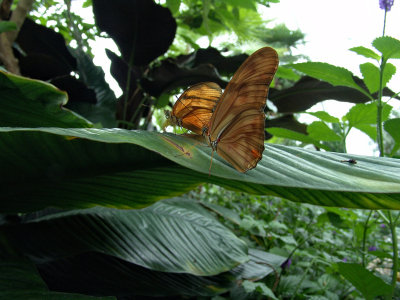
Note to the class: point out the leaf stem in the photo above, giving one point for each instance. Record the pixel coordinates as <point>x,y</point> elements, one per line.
<point>392,224</point>
<point>379,109</point>
<point>365,238</point>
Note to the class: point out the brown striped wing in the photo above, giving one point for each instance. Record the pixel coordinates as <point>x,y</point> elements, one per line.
<point>236,129</point>
<point>242,143</point>
<point>195,107</point>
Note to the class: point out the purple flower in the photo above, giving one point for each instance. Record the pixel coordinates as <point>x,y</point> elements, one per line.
<point>372,248</point>
<point>286,264</point>
<point>386,4</point>
<point>382,225</point>
<point>344,259</point>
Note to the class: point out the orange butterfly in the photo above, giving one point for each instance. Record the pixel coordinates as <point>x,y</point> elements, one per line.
<point>194,107</point>
<point>236,128</point>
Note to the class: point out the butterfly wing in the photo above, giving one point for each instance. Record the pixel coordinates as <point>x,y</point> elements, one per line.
<point>248,88</point>
<point>195,106</point>
<point>236,129</point>
<point>242,142</point>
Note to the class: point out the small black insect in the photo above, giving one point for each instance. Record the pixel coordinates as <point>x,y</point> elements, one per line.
<point>350,161</point>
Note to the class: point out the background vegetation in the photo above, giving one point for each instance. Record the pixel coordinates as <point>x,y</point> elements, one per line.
<point>96,202</point>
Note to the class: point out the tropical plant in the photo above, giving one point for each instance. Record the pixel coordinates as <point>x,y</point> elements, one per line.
<point>95,210</point>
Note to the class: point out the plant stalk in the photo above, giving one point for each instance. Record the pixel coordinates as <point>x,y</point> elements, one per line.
<point>392,225</point>
<point>365,238</point>
<point>379,110</point>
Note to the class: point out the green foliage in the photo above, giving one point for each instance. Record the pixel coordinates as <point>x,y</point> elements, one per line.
<point>368,53</point>
<point>7,26</point>
<point>321,132</point>
<point>330,73</point>
<point>365,281</point>
<point>313,238</point>
<point>69,191</point>
<point>38,102</point>
<point>392,126</point>
<point>388,46</point>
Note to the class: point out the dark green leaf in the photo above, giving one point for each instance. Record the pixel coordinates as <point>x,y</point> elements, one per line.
<point>108,275</point>
<point>20,280</point>
<point>126,21</point>
<point>113,167</point>
<point>368,53</point>
<point>261,264</point>
<point>224,212</point>
<point>105,109</point>
<point>27,102</point>
<point>171,236</point>
<point>388,46</point>
<point>365,281</point>
<point>321,132</point>
<point>258,287</point>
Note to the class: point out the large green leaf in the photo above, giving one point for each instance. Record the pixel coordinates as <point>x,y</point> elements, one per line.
<point>108,275</point>
<point>173,235</point>
<point>101,271</point>
<point>113,167</point>
<point>33,103</point>
<point>365,281</point>
<point>177,236</point>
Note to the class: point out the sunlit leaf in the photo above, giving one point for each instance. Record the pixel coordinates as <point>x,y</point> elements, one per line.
<point>287,73</point>
<point>370,73</point>
<point>293,135</point>
<point>321,132</point>
<point>368,129</point>
<point>368,53</point>
<point>388,72</point>
<point>337,76</point>
<point>366,114</point>
<point>388,46</point>
<point>173,5</point>
<point>324,116</point>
